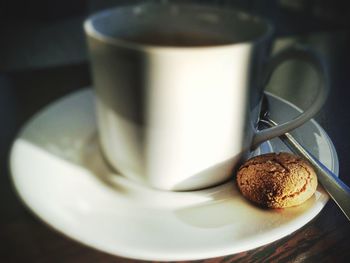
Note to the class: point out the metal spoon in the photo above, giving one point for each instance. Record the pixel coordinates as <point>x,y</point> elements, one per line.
<point>335,187</point>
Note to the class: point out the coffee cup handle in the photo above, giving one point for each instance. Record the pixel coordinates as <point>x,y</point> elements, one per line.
<point>306,55</point>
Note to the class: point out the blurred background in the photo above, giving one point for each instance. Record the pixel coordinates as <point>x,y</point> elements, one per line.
<point>43,53</point>
<point>39,33</point>
<point>43,57</point>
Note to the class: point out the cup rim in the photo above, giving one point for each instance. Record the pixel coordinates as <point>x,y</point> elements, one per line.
<point>91,31</point>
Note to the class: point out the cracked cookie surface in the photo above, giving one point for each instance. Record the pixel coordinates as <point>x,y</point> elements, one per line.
<point>277,180</point>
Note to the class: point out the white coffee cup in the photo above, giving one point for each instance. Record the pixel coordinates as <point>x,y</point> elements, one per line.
<point>179,89</point>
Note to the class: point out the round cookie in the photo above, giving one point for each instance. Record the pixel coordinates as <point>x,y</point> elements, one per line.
<point>277,180</point>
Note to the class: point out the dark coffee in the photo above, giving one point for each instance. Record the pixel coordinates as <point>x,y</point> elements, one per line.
<point>179,39</point>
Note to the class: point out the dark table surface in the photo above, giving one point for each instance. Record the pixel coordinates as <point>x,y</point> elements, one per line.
<point>24,238</point>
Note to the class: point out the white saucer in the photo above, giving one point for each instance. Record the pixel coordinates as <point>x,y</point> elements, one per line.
<point>60,175</point>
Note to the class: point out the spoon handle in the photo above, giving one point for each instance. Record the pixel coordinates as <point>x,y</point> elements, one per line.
<point>335,187</point>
